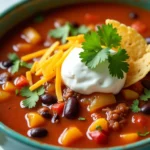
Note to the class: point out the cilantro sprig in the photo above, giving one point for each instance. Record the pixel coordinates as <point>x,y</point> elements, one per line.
<point>97,49</point>
<point>68,29</point>
<point>31,97</point>
<point>146,95</point>
<point>81,118</point>
<point>17,63</point>
<point>135,106</point>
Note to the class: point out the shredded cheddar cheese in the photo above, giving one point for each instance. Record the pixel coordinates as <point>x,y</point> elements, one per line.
<point>79,38</point>
<point>65,46</point>
<point>33,55</point>
<point>49,52</point>
<point>29,77</point>
<point>37,84</point>
<point>34,66</point>
<point>58,84</point>
<point>49,65</point>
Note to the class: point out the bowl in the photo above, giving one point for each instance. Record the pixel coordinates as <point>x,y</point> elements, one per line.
<point>16,13</point>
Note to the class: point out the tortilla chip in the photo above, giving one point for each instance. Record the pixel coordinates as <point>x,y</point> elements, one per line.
<point>137,49</point>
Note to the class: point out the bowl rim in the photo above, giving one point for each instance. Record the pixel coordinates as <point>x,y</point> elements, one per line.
<point>12,7</point>
<point>35,144</point>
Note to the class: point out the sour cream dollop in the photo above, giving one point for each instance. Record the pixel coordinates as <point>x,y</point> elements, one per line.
<point>78,77</point>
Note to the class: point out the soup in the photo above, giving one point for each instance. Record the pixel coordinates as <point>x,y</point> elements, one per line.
<point>38,103</point>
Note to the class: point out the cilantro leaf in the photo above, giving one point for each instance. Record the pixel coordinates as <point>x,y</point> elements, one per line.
<point>99,57</point>
<point>15,66</point>
<point>81,119</point>
<point>81,30</point>
<point>97,49</point>
<point>26,65</point>
<point>98,128</point>
<point>117,65</point>
<point>146,95</point>
<point>64,31</point>
<point>92,53</point>
<point>40,90</point>
<point>16,91</point>
<point>31,96</point>
<point>13,56</point>
<point>109,36</point>
<point>135,106</point>
<point>30,102</point>
<point>25,92</point>
<point>17,63</point>
<point>143,134</point>
<point>92,42</point>
<point>61,32</point>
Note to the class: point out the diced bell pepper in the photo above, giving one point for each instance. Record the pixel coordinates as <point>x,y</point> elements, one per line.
<point>70,135</point>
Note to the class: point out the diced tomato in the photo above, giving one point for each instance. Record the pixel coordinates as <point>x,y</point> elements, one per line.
<point>57,108</point>
<point>139,26</point>
<point>91,18</point>
<point>99,137</point>
<point>139,120</point>
<point>21,81</point>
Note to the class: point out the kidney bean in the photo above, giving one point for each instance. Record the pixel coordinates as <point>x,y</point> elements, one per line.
<point>48,99</point>
<point>55,118</point>
<point>71,108</point>
<point>37,132</point>
<point>146,83</point>
<point>133,15</point>
<point>147,40</point>
<point>146,108</point>
<point>45,112</point>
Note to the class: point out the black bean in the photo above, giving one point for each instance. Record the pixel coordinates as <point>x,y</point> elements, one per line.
<point>37,132</point>
<point>45,112</point>
<point>4,77</point>
<point>133,15</point>
<point>7,63</point>
<point>146,83</point>
<point>75,24</point>
<point>146,108</point>
<point>147,40</point>
<point>48,99</point>
<point>71,108</point>
<point>55,118</point>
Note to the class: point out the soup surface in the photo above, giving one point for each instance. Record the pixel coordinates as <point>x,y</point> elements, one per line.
<point>17,118</point>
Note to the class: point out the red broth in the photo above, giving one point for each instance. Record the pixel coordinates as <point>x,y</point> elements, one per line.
<point>12,115</point>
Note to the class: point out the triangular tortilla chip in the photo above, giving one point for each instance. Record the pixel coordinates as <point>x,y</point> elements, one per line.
<point>137,49</point>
